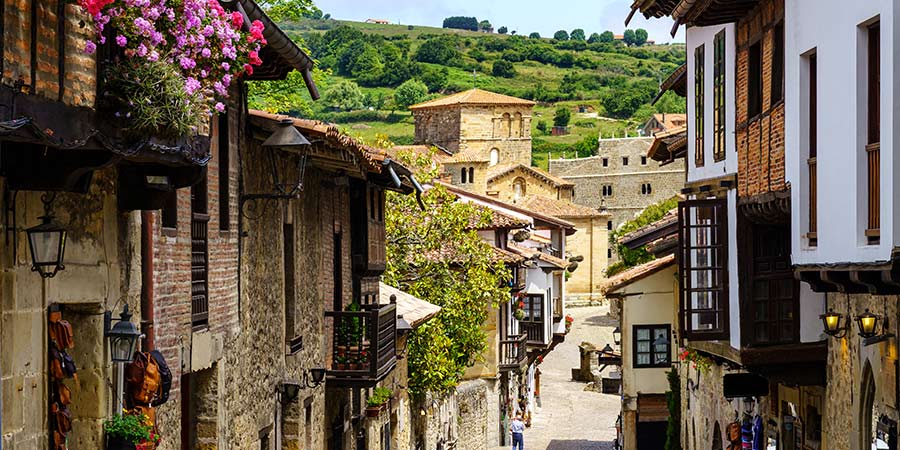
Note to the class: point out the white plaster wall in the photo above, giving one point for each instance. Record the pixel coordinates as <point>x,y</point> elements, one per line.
<point>812,305</point>
<point>832,28</point>
<point>695,37</point>
<point>653,304</point>
<point>734,299</point>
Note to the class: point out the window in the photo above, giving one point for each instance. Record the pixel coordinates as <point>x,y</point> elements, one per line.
<point>463,175</point>
<point>873,141</point>
<point>605,162</point>
<point>386,436</point>
<point>290,298</point>
<point>199,254</point>
<point>337,274</point>
<point>607,190</point>
<point>754,80</point>
<point>224,173</point>
<point>778,63</point>
<point>624,160</point>
<point>309,428</point>
<point>609,225</point>
<point>170,210</point>
<point>703,256</point>
<point>812,143</point>
<point>643,160</point>
<point>519,188</point>
<point>652,345</point>
<point>699,106</point>
<point>495,156</point>
<point>609,253</point>
<point>646,189</point>
<point>719,96</point>
<point>471,175</point>
<point>775,302</point>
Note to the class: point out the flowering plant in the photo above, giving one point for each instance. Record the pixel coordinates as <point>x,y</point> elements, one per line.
<point>204,45</point>
<point>131,427</point>
<point>698,361</point>
<point>569,321</point>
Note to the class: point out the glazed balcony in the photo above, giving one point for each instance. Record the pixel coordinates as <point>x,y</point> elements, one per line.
<point>363,345</point>
<point>513,353</point>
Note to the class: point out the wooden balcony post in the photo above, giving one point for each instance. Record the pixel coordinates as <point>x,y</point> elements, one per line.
<point>873,159</point>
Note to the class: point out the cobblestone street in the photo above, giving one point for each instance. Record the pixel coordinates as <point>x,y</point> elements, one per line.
<point>569,417</point>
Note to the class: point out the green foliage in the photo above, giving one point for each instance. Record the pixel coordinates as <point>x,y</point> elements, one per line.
<point>640,37</point>
<point>534,35</point>
<point>380,396</point>
<point>594,38</point>
<point>344,95</point>
<point>436,255</point>
<point>562,117</point>
<point>502,30</point>
<point>410,93</point>
<point>288,96</point>
<point>630,258</point>
<point>151,99</point>
<point>673,403</point>
<point>461,23</point>
<point>484,25</point>
<point>561,35</point>
<point>127,427</point>
<point>671,102</point>
<point>629,38</point>
<point>577,34</point>
<point>434,77</point>
<point>503,68</point>
<point>542,126</point>
<point>289,10</point>
<point>581,149</point>
<point>440,50</point>
<point>607,36</point>
<point>622,103</point>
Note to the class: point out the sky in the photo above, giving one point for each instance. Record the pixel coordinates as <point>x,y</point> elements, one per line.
<point>524,16</point>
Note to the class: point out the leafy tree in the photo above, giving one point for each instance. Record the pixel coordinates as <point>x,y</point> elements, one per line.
<point>561,35</point>
<point>607,36</point>
<point>671,102</point>
<point>630,258</point>
<point>640,37</point>
<point>409,93</point>
<point>313,13</point>
<point>542,126</point>
<point>534,35</point>
<point>345,95</point>
<point>562,117</point>
<point>326,17</point>
<point>461,23</point>
<point>478,55</point>
<point>288,96</point>
<point>623,102</point>
<point>629,37</point>
<point>503,68</point>
<point>436,255</point>
<point>439,50</point>
<point>485,25</point>
<point>360,58</point>
<point>435,78</point>
<point>513,32</point>
<point>577,35</point>
<point>594,38</point>
<point>288,10</point>
<point>503,30</point>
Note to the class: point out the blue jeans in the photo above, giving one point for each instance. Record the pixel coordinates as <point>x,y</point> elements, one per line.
<point>517,439</point>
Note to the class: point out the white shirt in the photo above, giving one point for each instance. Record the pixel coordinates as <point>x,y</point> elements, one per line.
<point>517,426</point>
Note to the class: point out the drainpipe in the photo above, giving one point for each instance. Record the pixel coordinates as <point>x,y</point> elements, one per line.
<point>147,280</point>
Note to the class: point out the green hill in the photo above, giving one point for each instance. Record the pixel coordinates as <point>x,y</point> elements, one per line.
<point>611,82</point>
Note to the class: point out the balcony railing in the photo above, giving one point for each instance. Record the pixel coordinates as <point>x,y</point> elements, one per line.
<point>513,352</point>
<point>199,271</point>
<point>534,332</point>
<point>873,160</point>
<point>813,203</point>
<point>363,345</point>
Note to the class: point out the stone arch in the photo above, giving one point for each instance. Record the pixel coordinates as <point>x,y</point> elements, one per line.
<point>462,175</point>
<point>505,125</point>
<point>717,437</point>
<point>519,186</point>
<point>867,416</point>
<point>495,156</point>
<point>517,125</point>
<point>471,174</point>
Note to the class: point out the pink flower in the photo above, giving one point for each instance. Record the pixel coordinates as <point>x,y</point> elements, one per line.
<point>191,85</point>
<point>121,40</point>
<point>206,53</point>
<point>248,69</point>
<point>254,58</point>
<point>90,47</point>
<point>187,63</point>
<point>226,67</point>
<point>220,107</point>
<point>237,20</point>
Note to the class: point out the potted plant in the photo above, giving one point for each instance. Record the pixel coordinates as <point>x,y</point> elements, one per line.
<point>130,432</point>
<point>569,322</point>
<point>519,312</point>
<point>375,404</point>
<point>340,363</point>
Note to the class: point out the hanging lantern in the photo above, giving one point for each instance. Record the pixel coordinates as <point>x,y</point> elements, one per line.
<point>868,324</point>
<point>47,243</point>
<point>123,336</point>
<point>617,336</point>
<point>833,323</point>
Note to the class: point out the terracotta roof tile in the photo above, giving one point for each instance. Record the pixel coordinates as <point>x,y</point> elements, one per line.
<point>545,257</point>
<point>413,309</point>
<point>636,273</point>
<point>500,220</point>
<point>669,145</point>
<point>500,170</point>
<point>557,208</point>
<point>473,97</point>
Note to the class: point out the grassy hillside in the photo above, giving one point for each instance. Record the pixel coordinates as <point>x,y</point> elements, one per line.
<point>613,81</point>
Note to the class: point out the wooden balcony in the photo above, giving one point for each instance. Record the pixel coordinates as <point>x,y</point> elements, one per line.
<point>363,348</point>
<point>513,353</point>
<point>534,332</point>
<point>873,165</point>
<point>199,271</point>
<point>813,203</point>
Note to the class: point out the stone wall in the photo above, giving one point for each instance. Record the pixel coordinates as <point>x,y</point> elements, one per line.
<point>438,126</point>
<point>436,419</point>
<point>478,414</point>
<point>591,241</point>
<point>503,185</point>
<point>80,69</point>
<point>479,168</point>
<point>478,129</point>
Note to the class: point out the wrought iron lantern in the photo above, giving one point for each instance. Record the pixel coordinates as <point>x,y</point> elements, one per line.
<point>661,340</point>
<point>286,138</point>
<point>868,324</point>
<point>607,349</point>
<point>834,323</point>
<point>47,243</point>
<point>617,336</point>
<point>123,336</point>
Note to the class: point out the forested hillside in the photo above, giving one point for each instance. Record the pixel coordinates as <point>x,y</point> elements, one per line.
<point>370,73</point>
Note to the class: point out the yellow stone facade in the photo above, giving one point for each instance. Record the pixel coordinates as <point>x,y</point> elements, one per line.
<point>590,241</point>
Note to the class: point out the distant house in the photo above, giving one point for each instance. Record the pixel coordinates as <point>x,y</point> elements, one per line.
<point>660,123</point>
<point>378,21</point>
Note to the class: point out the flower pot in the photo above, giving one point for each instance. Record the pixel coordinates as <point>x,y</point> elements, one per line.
<point>340,366</point>
<point>374,411</point>
<point>115,443</point>
<point>145,446</point>
<point>354,366</point>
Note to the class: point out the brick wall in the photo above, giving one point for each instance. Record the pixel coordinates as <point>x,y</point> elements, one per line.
<point>760,139</point>
<point>79,69</point>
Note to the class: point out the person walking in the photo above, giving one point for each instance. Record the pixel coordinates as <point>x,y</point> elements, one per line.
<point>517,427</point>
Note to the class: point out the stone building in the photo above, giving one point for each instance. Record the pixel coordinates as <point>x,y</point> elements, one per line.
<point>621,180</point>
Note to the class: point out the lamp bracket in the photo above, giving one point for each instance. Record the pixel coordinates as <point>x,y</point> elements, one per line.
<point>251,213</point>
<point>877,339</point>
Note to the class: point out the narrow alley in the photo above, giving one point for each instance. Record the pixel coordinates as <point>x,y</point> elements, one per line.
<point>570,417</point>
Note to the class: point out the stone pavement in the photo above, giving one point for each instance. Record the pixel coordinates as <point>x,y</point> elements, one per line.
<point>571,418</point>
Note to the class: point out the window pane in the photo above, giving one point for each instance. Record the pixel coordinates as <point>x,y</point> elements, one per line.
<point>643,334</point>
<point>643,359</point>
<point>643,347</point>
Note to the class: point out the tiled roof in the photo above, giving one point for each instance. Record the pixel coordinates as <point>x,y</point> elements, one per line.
<point>500,170</point>
<point>555,221</point>
<point>671,121</point>
<point>636,273</point>
<point>413,309</point>
<point>670,218</point>
<point>545,257</point>
<point>669,145</point>
<point>499,220</point>
<point>557,208</point>
<point>677,81</point>
<point>452,255</point>
<point>473,97</point>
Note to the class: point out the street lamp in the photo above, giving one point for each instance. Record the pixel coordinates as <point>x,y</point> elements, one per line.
<point>123,337</point>
<point>834,324</point>
<point>287,138</point>
<point>867,323</point>
<point>47,242</point>
<point>617,336</point>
